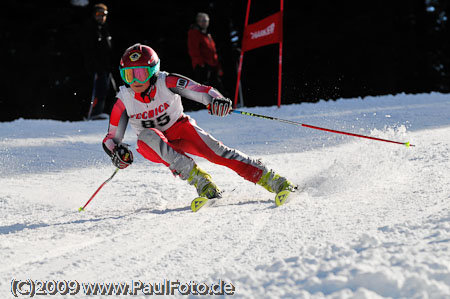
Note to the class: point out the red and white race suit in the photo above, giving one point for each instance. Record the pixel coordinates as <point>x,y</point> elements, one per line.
<point>165,134</point>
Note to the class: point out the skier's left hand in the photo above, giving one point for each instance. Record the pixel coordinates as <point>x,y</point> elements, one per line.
<point>122,157</point>
<point>220,106</point>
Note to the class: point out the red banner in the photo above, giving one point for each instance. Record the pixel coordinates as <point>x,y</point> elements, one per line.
<point>265,32</point>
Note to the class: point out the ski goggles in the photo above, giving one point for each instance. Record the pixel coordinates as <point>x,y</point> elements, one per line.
<point>140,74</point>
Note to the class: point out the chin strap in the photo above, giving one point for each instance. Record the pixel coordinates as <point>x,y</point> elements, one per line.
<point>148,95</point>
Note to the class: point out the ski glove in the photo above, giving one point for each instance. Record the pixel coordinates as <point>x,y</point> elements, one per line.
<point>122,157</point>
<point>220,106</point>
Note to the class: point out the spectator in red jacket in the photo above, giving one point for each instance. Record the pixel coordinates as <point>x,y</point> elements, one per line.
<point>203,53</point>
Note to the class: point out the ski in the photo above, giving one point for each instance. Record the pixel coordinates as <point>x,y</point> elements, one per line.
<point>284,196</point>
<point>201,202</point>
<point>281,198</point>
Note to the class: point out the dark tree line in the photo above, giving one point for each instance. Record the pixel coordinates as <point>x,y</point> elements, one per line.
<point>332,49</point>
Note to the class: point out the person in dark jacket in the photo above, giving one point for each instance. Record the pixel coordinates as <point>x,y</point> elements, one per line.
<point>202,50</point>
<point>98,57</point>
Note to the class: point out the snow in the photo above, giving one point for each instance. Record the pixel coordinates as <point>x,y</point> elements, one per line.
<point>373,220</point>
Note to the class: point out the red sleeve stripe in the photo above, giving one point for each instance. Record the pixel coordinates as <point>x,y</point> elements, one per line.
<point>171,81</point>
<point>198,88</point>
<point>116,113</point>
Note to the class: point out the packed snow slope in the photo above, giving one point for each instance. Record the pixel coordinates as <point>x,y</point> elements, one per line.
<point>373,220</point>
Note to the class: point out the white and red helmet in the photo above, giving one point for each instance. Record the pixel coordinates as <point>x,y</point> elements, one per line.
<point>138,63</point>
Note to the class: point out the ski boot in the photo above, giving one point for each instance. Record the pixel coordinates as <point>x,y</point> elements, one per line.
<point>274,183</point>
<point>206,189</point>
<point>202,181</point>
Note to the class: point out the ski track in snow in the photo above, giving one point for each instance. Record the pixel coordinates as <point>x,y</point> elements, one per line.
<point>372,221</point>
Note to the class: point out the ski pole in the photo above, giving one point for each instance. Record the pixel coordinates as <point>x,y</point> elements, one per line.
<point>407,144</point>
<point>101,186</point>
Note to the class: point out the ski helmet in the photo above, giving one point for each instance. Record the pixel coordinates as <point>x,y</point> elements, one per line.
<point>139,63</point>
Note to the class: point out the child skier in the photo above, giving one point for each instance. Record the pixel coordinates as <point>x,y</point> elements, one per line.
<point>151,102</point>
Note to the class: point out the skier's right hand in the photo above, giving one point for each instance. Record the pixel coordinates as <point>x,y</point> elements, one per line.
<point>122,157</point>
<point>220,107</point>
